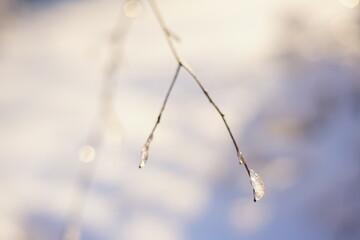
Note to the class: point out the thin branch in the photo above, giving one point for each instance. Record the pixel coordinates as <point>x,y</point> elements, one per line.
<point>145,150</point>
<point>166,98</point>
<point>256,182</point>
<point>186,66</point>
<point>96,135</point>
<point>239,154</point>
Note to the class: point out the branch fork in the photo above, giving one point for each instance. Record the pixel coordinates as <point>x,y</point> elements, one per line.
<point>255,180</point>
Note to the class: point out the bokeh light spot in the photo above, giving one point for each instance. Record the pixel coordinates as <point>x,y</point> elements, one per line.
<point>132,8</point>
<point>86,153</point>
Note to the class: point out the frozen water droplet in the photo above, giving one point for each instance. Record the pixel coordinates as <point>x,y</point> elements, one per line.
<point>144,156</point>
<point>145,151</point>
<point>241,158</point>
<point>258,185</point>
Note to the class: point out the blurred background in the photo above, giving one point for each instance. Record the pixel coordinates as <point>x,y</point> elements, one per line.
<point>81,84</point>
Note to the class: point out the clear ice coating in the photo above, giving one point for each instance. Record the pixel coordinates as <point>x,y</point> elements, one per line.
<point>258,185</point>
<point>144,156</point>
<point>240,156</point>
<point>145,151</point>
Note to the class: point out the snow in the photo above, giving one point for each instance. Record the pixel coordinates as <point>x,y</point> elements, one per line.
<point>287,84</point>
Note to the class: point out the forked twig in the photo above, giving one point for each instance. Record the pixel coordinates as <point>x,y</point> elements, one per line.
<point>255,180</point>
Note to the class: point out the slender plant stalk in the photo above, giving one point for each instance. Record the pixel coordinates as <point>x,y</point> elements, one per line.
<point>145,150</point>
<point>166,98</point>
<point>254,178</point>
<point>86,173</point>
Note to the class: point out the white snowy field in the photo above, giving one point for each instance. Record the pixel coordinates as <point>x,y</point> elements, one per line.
<point>284,73</point>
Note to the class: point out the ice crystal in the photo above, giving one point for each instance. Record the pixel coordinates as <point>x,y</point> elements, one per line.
<point>240,156</point>
<point>258,185</point>
<point>145,151</point>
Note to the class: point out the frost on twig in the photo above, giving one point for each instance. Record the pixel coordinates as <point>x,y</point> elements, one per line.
<point>255,180</point>
<point>241,158</point>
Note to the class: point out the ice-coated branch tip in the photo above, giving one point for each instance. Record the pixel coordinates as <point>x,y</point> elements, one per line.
<point>256,182</point>
<point>258,185</point>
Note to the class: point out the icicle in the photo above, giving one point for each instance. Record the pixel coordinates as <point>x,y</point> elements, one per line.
<point>145,151</point>
<point>258,185</point>
<point>144,156</point>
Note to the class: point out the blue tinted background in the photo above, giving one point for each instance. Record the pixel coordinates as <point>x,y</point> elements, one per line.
<point>81,86</point>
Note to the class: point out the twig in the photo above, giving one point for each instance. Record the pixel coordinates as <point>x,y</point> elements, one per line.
<point>254,178</point>
<point>183,64</point>
<point>145,150</point>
